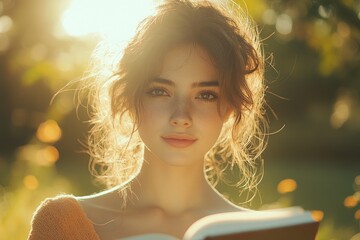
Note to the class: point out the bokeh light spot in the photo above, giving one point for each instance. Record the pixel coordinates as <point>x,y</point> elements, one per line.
<point>47,156</point>
<point>39,154</point>
<point>49,131</point>
<point>269,16</point>
<point>350,202</point>
<point>317,215</point>
<point>5,24</point>
<point>341,110</point>
<point>357,214</point>
<point>357,180</point>
<point>284,24</point>
<point>286,186</point>
<point>357,196</point>
<point>31,182</point>
<point>324,11</point>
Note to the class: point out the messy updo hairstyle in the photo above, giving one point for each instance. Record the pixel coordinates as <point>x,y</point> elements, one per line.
<point>116,86</point>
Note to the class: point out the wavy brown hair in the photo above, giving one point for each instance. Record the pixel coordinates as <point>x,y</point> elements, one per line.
<point>231,40</point>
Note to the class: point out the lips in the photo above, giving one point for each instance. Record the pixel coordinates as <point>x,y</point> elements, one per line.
<point>179,140</point>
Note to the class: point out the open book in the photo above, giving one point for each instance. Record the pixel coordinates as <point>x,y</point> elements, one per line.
<point>280,224</point>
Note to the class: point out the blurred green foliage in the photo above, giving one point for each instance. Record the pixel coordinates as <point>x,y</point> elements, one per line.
<point>313,58</point>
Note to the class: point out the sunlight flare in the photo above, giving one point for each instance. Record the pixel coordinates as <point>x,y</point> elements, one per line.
<point>110,18</point>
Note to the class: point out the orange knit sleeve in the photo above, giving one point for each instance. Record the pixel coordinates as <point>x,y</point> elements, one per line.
<point>61,218</point>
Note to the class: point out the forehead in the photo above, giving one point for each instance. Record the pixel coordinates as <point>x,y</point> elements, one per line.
<point>188,61</point>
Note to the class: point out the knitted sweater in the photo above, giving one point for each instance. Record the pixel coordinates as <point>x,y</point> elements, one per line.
<point>61,218</point>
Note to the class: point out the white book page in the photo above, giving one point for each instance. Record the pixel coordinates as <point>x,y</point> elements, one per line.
<point>234,222</point>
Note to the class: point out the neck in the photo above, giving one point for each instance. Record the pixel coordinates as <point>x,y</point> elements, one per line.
<point>173,189</point>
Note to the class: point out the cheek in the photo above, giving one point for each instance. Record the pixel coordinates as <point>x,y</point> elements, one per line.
<point>146,127</point>
<point>210,119</point>
<point>151,115</point>
<point>152,109</point>
<point>210,112</point>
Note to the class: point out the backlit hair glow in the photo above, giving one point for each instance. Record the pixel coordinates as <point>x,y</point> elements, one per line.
<point>231,40</point>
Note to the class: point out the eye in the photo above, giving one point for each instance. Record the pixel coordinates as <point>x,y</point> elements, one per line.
<point>207,96</point>
<point>157,91</point>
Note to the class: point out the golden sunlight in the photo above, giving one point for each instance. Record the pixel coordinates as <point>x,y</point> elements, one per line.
<point>112,19</point>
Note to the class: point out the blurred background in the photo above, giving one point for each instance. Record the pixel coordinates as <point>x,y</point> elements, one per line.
<point>313,71</point>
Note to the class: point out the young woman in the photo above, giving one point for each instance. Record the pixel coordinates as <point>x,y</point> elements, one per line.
<point>183,105</point>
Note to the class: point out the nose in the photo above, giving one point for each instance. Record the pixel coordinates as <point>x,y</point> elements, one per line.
<point>181,116</point>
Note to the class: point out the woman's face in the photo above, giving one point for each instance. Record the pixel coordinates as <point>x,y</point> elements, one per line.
<point>180,120</point>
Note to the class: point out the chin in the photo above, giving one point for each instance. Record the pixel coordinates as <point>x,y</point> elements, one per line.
<point>181,160</point>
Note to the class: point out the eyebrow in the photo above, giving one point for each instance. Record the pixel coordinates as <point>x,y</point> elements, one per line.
<point>212,83</point>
